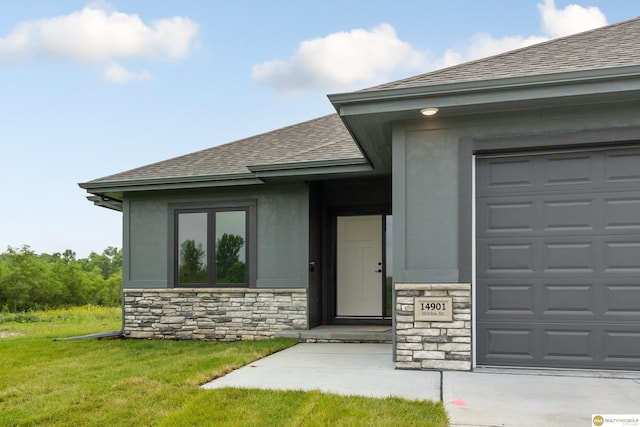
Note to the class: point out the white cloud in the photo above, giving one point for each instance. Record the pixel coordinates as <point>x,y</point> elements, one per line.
<point>570,20</point>
<point>482,45</point>
<point>366,57</point>
<point>555,23</point>
<point>116,73</point>
<point>341,60</point>
<point>98,35</point>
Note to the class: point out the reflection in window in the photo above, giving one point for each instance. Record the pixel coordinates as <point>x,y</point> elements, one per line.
<point>192,238</point>
<point>211,247</point>
<point>230,252</point>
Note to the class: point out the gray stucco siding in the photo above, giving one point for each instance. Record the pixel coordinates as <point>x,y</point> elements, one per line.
<point>282,234</point>
<point>283,237</point>
<point>145,243</point>
<point>432,176</point>
<point>426,205</point>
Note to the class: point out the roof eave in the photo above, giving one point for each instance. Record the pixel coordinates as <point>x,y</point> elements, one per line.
<point>312,169</point>
<point>307,165</point>
<point>118,188</point>
<point>259,173</point>
<point>106,202</point>
<point>368,115</point>
<point>568,78</point>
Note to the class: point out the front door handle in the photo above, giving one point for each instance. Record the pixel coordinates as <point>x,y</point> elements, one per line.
<point>379,270</point>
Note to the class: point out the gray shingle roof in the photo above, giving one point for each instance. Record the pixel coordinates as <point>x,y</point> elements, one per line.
<point>324,138</point>
<point>327,139</point>
<point>604,47</point>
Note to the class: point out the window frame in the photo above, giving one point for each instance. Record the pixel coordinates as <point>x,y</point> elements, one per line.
<point>249,206</point>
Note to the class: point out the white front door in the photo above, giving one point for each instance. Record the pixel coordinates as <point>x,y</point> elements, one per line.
<point>359,266</point>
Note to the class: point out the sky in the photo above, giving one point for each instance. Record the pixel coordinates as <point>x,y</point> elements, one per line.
<point>88,89</point>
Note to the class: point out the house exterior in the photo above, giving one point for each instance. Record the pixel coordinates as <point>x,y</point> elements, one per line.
<point>503,230</point>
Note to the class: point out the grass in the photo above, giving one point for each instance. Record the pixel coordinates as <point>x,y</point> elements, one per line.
<point>139,382</point>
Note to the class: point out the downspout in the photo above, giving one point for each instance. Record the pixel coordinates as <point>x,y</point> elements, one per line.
<point>109,334</point>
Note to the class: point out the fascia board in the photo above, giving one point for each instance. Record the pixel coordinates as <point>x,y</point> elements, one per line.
<point>275,167</point>
<point>314,171</point>
<point>160,181</point>
<point>152,185</point>
<point>258,171</point>
<point>606,80</point>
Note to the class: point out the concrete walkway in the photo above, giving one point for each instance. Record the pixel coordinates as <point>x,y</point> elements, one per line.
<point>347,369</point>
<point>485,397</point>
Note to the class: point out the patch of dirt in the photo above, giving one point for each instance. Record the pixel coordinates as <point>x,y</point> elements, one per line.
<point>7,334</point>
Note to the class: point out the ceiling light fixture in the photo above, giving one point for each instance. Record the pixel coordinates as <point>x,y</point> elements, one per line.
<point>430,111</point>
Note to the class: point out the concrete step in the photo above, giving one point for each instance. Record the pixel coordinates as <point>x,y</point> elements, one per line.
<point>341,334</point>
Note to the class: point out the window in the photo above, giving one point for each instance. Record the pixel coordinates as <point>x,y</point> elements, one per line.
<point>212,245</point>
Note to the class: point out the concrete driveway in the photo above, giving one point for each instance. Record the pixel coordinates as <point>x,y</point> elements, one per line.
<point>539,398</point>
<point>485,397</point>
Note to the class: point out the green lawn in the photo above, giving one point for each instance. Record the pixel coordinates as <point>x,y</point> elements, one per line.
<point>140,383</point>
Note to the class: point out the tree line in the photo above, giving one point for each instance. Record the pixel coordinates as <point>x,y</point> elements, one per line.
<point>30,281</point>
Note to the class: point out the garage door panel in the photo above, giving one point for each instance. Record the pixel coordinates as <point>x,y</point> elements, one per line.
<point>507,300</point>
<point>500,343</point>
<point>621,301</point>
<point>509,217</point>
<point>558,260</point>
<point>622,255</point>
<point>563,169</point>
<point>509,258</point>
<point>622,214</point>
<point>497,216</point>
<point>568,301</point>
<point>506,175</point>
<point>622,167</point>
<point>569,215</point>
<point>571,345</point>
<point>569,257</point>
<point>621,346</point>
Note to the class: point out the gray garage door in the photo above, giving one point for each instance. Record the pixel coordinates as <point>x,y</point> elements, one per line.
<point>558,259</point>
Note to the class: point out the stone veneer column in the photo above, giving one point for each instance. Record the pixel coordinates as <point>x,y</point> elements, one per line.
<point>224,314</point>
<point>433,345</point>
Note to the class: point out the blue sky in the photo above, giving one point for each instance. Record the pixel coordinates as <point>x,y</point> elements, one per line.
<point>88,89</point>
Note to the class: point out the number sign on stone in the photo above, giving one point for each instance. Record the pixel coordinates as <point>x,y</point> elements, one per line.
<point>433,309</point>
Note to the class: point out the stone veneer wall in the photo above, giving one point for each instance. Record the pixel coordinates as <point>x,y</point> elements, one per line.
<point>224,314</point>
<point>433,345</point>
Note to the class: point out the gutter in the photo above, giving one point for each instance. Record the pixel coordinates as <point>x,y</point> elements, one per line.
<point>132,184</point>
<point>257,172</point>
<point>106,202</point>
<point>312,168</point>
